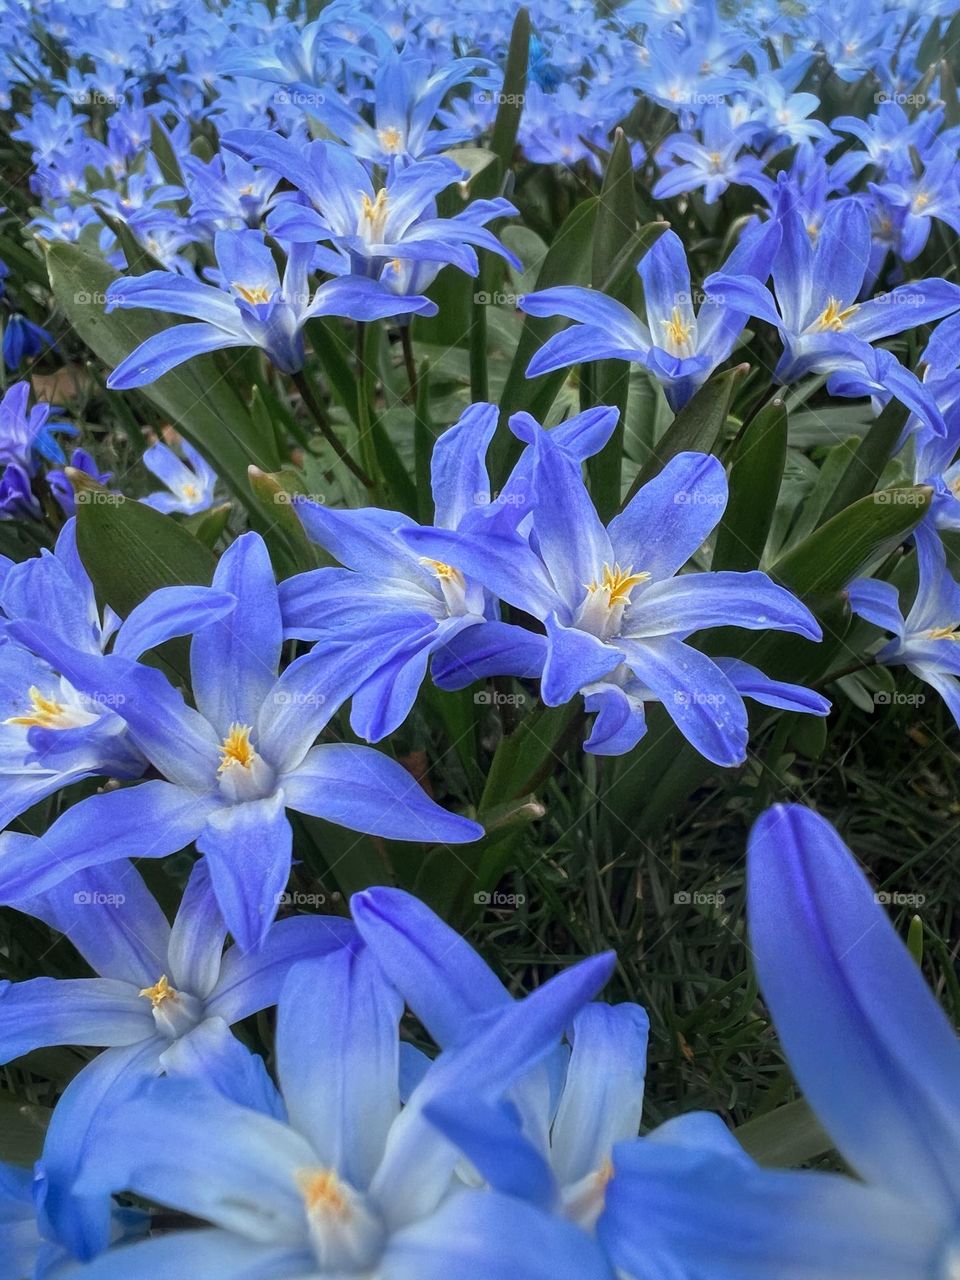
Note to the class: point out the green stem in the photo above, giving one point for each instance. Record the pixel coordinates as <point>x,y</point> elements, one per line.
<point>364,423</point>
<point>310,399</point>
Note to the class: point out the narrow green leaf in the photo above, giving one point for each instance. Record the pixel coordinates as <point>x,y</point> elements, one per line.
<point>872,454</point>
<point>840,549</point>
<point>782,1139</point>
<point>697,428</point>
<point>757,460</point>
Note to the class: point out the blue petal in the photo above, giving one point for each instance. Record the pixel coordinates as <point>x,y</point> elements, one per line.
<point>878,602</point>
<point>196,939</point>
<point>154,818</point>
<point>363,790</point>
<point>233,661</point>
<point>42,1012</point>
<point>211,1054</point>
<point>574,658</point>
<point>438,973</point>
<point>170,612</point>
<point>241,1176</point>
<point>750,682</point>
<point>695,693</point>
<point>678,1211</point>
<point>671,516</point>
<point>867,1042</point>
<point>214,1255</point>
<point>458,473</point>
<point>696,601</point>
<point>248,847</point>
<point>251,980</point>
<point>81,1218</point>
<point>603,1094</point>
<point>339,1068</point>
<point>112,919</point>
<point>491,1138</point>
<point>493,1237</point>
<point>489,649</point>
<point>165,350</point>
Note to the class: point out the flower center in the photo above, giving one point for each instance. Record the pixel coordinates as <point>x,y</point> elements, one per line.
<point>834,316</point>
<point>617,583</point>
<point>375,215</point>
<point>47,713</point>
<point>160,991</point>
<point>190,492</point>
<point>920,201</point>
<point>945,633</point>
<point>236,748</point>
<point>174,1012</point>
<point>391,140</point>
<point>677,330</point>
<point>255,294</point>
<point>346,1234</point>
<point>602,609</point>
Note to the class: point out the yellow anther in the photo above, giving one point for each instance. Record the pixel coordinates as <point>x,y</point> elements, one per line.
<point>322,1192</point>
<point>391,140</point>
<point>618,583</point>
<point>46,712</point>
<point>445,572</point>
<point>236,748</point>
<point>253,293</point>
<point>677,329</point>
<point>834,316</point>
<point>945,633</point>
<point>161,991</point>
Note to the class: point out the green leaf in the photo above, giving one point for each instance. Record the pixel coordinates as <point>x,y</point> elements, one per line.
<point>697,428</point>
<point>202,405</point>
<point>507,122</point>
<point>789,1136</point>
<point>568,261</point>
<point>843,547</point>
<point>757,459</point>
<point>209,525</point>
<point>22,1129</point>
<point>609,380</point>
<point>129,550</point>
<point>872,454</point>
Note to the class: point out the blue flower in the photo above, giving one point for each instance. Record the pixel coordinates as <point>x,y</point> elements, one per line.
<point>230,769</point>
<point>550,1145</point>
<point>712,164</point>
<point>927,640</point>
<point>62,489</point>
<point>877,1061</point>
<point>51,734</point>
<point>163,1000</point>
<point>253,309</point>
<point>24,340</point>
<point>416,605</point>
<point>376,233</point>
<point>824,328</point>
<point>354,1179</point>
<point>189,487</point>
<point>617,614</point>
<point>26,435</point>
<point>679,345</point>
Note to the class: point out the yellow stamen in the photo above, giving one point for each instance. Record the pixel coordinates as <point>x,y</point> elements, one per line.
<point>46,712</point>
<point>920,201</point>
<point>442,570</point>
<point>618,583</point>
<point>253,293</point>
<point>945,633</point>
<point>834,316</point>
<point>391,140</point>
<point>189,491</point>
<point>716,161</point>
<point>161,991</point>
<point>677,329</point>
<point>373,209</point>
<point>322,1192</point>
<point>236,748</point>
